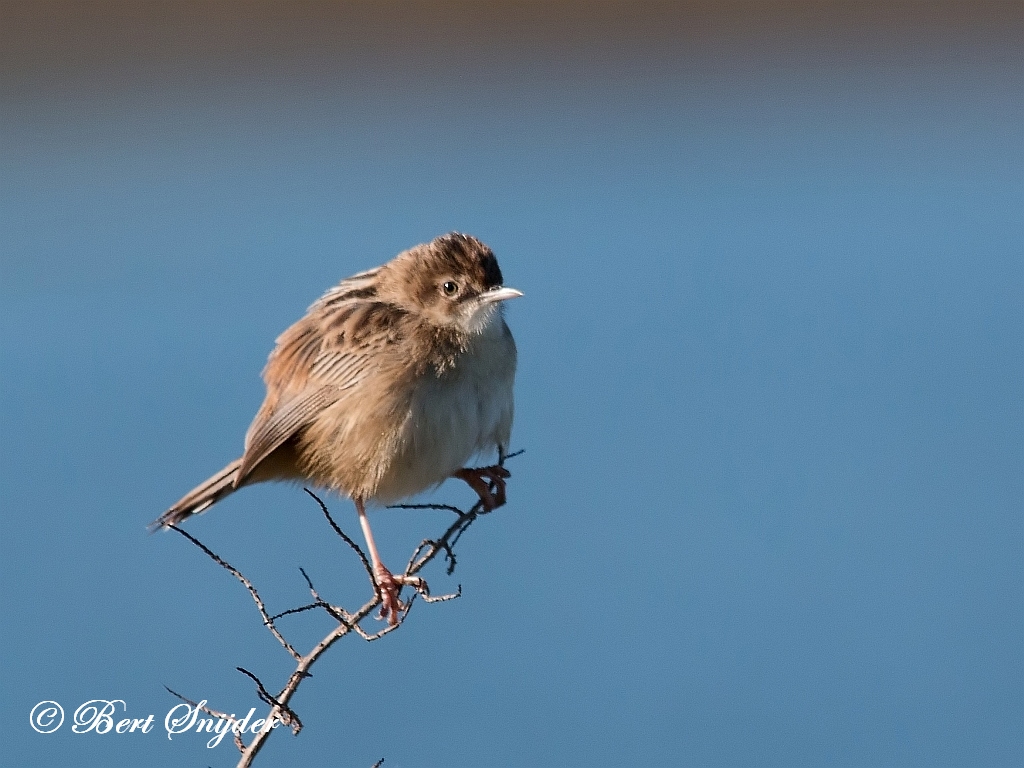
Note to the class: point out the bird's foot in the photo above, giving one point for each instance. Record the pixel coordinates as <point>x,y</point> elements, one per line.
<point>391,607</point>
<point>488,482</point>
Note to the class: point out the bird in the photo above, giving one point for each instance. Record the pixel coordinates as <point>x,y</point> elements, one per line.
<point>392,381</point>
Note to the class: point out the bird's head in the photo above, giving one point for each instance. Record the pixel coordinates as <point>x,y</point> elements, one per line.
<point>453,281</point>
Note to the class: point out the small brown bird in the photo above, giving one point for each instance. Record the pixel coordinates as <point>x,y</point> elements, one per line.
<point>392,381</point>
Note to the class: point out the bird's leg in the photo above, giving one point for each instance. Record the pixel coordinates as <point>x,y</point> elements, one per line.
<point>389,584</point>
<point>488,482</point>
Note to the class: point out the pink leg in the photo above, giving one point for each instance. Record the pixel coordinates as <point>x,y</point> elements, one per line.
<point>389,585</point>
<point>488,482</point>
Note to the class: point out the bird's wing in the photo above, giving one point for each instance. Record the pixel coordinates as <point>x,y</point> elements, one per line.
<point>346,336</point>
<point>272,428</point>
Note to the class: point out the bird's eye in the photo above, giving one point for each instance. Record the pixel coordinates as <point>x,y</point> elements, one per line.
<point>450,288</point>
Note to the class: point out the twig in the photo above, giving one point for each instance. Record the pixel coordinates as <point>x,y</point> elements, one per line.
<point>347,622</point>
<point>267,620</point>
<point>337,529</point>
<point>438,507</point>
<point>290,718</point>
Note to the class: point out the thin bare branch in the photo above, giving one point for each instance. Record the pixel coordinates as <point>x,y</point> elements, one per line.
<point>337,529</point>
<point>267,620</point>
<point>438,507</point>
<point>443,598</point>
<point>347,622</point>
<point>289,717</point>
<point>302,609</point>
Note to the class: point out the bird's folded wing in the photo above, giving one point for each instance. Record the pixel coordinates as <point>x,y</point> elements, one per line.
<point>268,432</point>
<point>341,341</point>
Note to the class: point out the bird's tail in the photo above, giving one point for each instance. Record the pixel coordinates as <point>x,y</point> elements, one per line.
<point>200,498</point>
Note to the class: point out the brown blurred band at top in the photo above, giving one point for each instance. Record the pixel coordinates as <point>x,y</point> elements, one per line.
<point>49,42</point>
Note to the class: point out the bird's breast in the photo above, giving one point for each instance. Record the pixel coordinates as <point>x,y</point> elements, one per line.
<point>453,415</point>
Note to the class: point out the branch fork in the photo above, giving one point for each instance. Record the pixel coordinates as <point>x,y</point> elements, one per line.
<point>348,621</point>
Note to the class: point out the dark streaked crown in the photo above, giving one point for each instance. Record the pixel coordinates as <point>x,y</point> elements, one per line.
<point>416,274</point>
<point>466,255</point>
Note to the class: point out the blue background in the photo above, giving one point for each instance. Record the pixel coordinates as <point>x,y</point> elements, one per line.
<point>770,386</point>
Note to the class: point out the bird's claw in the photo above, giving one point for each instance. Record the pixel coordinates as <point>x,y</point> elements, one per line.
<point>488,482</point>
<point>391,607</point>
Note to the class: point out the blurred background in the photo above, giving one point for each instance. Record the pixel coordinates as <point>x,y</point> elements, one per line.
<point>771,367</point>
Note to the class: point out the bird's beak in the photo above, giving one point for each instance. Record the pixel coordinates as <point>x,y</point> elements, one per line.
<point>500,294</point>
